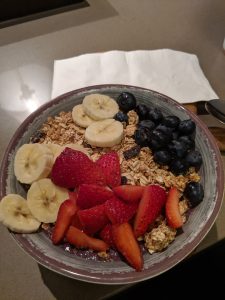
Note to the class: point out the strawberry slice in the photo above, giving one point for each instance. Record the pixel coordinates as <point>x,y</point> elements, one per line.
<point>106,235</point>
<point>81,240</point>
<point>90,195</point>
<point>76,221</point>
<point>173,216</point>
<point>127,245</point>
<point>64,218</point>
<point>73,168</point>
<point>93,219</point>
<point>118,211</point>
<point>73,196</point>
<point>110,166</point>
<point>129,193</point>
<point>150,206</point>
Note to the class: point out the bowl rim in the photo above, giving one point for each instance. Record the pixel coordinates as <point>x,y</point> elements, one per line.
<point>98,277</point>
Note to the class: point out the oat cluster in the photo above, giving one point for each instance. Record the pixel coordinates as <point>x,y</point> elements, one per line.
<point>139,170</point>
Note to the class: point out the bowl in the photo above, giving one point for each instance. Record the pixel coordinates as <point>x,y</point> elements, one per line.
<point>83,265</point>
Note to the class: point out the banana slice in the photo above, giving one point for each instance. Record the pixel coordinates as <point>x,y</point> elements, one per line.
<point>80,118</point>
<point>105,133</point>
<point>32,162</point>
<point>15,214</point>
<point>44,199</point>
<point>100,107</point>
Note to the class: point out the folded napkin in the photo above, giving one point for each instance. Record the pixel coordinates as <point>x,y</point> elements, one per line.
<point>173,73</point>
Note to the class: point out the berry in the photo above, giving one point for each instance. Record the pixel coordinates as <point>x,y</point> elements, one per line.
<point>177,149</point>
<point>64,218</point>
<point>126,101</point>
<point>123,180</point>
<point>155,115</point>
<point>166,130</point>
<point>129,193</point>
<point>107,236</point>
<point>173,216</point>
<point>93,219</point>
<point>162,157</point>
<point>90,195</point>
<point>178,166</point>
<point>81,240</point>
<point>150,206</point>
<point>147,124</point>
<point>194,159</point>
<point>194,193</point>
<point>161,138</point>
<point>188,141</point>
<point>186,127</point>
<point>121,117</point>
<point>171,121</point>
<point>109,164</point>
<point>142,111</point>
<point>73,168</point>
<point>119,212</point>
<point>142,136</point>
<point>127,244</point>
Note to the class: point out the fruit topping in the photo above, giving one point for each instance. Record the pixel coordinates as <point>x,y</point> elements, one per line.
<point>142,111</point>
<point>194,193</point>
<point>64,218</point>
<point>123,180</point>
<point>109,164</point>
<point>80,118</point>
<point>81,240</point>
<point>194,159</point>
<point>127,244</point>
<point>162,157</point>
<point>121,117</point>
<point>132,152</point>
<point>90,195</point>
<point>37,136</point>
<point>129,193</point>
<point>173,216</point>
<point>107,236</point>
<point>155,115</point>
<point>171,121</point>
<point>147,124</point>
<point>93,219</point>
<point>178,166</point>
<point>188,141</point>
<point>119,211</point>
<point>177,149</point>
<point>150,206</point>
<point>186,127</point>
<point>126,101</point>
<point>73,168</point>
<point>142,136</point>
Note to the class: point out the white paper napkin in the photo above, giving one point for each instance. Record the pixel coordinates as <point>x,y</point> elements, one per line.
<point>173,73</point>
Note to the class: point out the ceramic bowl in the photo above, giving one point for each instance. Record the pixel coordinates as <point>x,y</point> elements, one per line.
<point>84,265</point>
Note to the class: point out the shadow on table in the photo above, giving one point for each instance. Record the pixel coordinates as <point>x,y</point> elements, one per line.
<point>64,288</point>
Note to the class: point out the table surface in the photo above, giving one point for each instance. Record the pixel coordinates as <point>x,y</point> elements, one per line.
<point>27,54</point>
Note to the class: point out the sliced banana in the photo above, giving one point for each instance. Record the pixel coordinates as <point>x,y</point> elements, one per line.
<point>32,162</point>
<point>100,107</point>
<point>15,214</point>
<point>44,199</point>
<point>105,133</point>
<point>79,116</point>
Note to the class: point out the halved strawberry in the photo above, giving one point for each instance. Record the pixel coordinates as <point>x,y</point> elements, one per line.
<point>90,195</point>
<point>129,193</point>
<point>76,221</point>
<point>119,211</point>
<point>106,235</point>
<point>110,166</point>
<point>150,206</point>
<point>73,196</point>
<point>173,216</point>
<point>93,219</point>
<point>81,240</point>
<point>73,168</point>
<point>64,218</point>
<point>127,244</point>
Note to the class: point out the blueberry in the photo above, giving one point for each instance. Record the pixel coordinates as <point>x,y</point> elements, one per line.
<point>178,166</point>
<point>162,157</point>
<point>142,111</point>
<point>194,159</point>
<point>147,124</point>
<point>126,101</point>
<point>142,136</point>
<point>188,141</point>
<point>175,135</point>
<point>123,180</point>
<point>160,137</point>
<point>171,121</point>
<point>186,127</point>
<point>155,115</point>
<point>194,193</point>
<point>166,130</point>
<point>121,117</point>
<point>37,136</point>
<point>177,149</point>
<point>154,145</point>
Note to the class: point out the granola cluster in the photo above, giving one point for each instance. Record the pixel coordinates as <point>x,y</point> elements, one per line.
<point>139,170</point>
